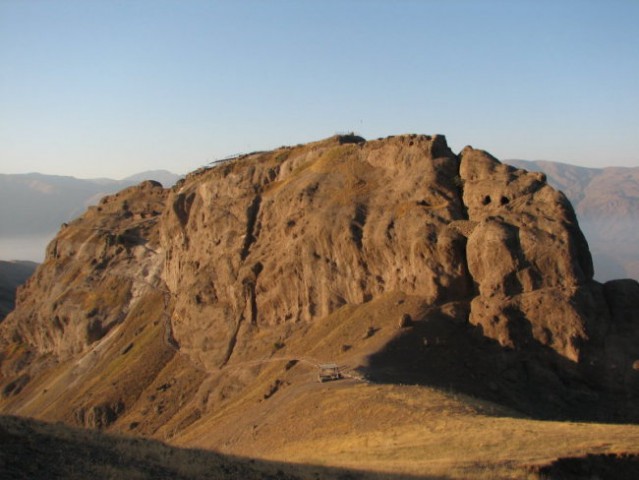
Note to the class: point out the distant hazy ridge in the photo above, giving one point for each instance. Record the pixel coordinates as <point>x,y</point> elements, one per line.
<point>33,206</point>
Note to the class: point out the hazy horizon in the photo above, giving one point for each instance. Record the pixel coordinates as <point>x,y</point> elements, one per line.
<point>30,247</point>
<point>92,178</point>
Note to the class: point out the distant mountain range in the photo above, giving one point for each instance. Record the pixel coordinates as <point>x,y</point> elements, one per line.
<point>606,201</point>
<point>33,206</point>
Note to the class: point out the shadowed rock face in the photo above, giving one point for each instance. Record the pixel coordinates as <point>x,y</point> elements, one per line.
<point>273,241</point>
<point>620,467</point>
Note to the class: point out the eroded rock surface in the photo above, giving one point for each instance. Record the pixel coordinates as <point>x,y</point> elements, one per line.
<point>527,256</point>
<point>291,236</point>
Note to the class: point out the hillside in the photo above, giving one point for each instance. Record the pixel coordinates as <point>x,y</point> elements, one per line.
<point>33,450</point>
<point>450,446</point>
<point>455,293</point>
<point>606,201</point>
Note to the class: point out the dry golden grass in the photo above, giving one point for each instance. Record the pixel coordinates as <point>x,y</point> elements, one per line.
<point>404,430</point>
<point>39,451</point>
<point>392,430</point>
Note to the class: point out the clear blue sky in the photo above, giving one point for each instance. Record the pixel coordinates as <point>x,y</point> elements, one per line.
<point>109,88</point>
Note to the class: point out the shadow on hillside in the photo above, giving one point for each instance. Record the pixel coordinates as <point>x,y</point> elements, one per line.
<point>30,449</point>
<point>442,352</point>
<point>603,466</point>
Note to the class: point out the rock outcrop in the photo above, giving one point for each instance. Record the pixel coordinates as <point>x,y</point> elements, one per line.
<point>527,256</point>
<point>92,273</point>
<point>236,260</point>
<point>291,236</point>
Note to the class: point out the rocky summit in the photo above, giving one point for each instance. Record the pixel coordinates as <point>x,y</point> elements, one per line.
<point>178,313</point>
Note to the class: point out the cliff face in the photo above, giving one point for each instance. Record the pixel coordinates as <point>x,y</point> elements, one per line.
<point>292,236</point>
<point>239,260</point>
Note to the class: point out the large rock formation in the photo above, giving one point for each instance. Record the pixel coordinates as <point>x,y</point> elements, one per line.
<point>527,256</point>
<point>92,273</point>
<point>241,260</point>
<point>291,236</point>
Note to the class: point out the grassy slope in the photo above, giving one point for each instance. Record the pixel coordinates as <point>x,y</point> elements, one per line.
<point>35,450</point>
<point>403,430</point>
<point>399,429</point>
<point>277,411</point>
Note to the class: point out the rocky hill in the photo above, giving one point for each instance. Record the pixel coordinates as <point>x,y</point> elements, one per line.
<point>201,314</point>
<point>606,201</point>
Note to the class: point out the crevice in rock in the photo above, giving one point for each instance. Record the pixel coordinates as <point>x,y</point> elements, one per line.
<point>249,298</point>
<point>169,339</point>
<point>390,230</point>
<point>249,309</point>
<point>464,226</point>
<point>251,219</point>
<point>357,224</point>
<point>182,207</point>
<point>459,184</point>
<point>232,341</point>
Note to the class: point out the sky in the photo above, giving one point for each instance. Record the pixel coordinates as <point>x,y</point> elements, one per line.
<point>94,88</point>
